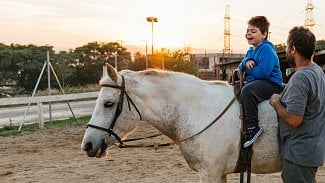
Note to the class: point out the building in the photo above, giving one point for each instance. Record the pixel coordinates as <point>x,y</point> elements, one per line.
<point>319,58</point>
<point>219,66</point>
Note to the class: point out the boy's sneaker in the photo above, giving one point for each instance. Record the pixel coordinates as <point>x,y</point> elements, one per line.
<point>252,136</point>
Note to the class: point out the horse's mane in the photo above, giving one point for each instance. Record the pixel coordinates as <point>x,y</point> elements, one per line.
<point>157,74</point>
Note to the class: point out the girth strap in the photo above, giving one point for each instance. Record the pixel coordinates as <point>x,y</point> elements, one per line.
<point>245,154</point>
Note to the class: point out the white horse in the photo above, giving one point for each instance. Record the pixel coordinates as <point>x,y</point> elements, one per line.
<point>180,105</point>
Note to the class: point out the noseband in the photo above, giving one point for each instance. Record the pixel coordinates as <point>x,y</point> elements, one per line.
<point>118,111</point>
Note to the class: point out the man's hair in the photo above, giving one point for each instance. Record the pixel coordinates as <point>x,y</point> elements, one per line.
<point>261,23</point>
<point>303,40</point>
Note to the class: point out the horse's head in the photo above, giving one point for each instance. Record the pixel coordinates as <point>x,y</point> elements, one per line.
<point>112,117</point>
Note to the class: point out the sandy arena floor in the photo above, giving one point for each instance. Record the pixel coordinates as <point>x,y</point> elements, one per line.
<point>54,156</point>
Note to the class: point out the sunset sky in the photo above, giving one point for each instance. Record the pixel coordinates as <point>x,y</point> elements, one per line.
<point>67,24</point>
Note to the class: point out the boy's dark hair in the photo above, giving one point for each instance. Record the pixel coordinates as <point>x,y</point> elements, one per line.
<point>261,23</point>
<point>303,40</point>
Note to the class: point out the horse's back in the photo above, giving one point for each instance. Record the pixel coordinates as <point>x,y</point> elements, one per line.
<point>266,156</point>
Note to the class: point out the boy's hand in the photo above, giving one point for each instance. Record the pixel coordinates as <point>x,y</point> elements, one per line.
<point>250,64</point>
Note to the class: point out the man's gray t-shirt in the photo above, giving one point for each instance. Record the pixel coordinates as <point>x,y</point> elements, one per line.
<point>305,95</point>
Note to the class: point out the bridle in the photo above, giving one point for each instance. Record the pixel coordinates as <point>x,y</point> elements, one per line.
<point>118,111</point>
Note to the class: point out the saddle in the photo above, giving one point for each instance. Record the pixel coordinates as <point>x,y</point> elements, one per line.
<point>245,155</point>
<point>237,81</point>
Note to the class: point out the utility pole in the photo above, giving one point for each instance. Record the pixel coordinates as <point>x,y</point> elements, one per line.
<point>146,54</point>
<point>309,21</point>
<point>226,42</point>
<point>226,33</point>
<point>163,59</point>
<point>115,59</point>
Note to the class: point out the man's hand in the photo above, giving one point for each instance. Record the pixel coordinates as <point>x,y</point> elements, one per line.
<point>275,100</point>
<point>294,120</point>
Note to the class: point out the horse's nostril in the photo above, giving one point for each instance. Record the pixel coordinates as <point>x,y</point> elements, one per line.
<point>88,147</point>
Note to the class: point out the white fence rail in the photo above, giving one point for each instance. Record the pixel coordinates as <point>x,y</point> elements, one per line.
<point>52,98</point>
<point>12,109</point>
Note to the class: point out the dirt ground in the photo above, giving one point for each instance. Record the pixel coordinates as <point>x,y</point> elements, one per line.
<point>54,156</point>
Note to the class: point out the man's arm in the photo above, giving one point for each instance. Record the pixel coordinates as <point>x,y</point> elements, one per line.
<point>293,120</point>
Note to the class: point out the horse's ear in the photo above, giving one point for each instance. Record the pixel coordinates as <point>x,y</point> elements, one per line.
<point>109,71</point>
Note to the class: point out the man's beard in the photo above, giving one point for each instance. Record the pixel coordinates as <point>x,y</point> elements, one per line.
<point>291,61</point>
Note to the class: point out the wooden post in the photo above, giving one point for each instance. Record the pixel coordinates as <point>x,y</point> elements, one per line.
<point>40,114</point>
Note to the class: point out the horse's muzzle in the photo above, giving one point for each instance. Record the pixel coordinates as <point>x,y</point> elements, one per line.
<point>93,151</point>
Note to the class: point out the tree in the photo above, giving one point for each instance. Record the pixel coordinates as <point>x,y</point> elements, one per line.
<point>6,65</point>
<point>139,62</point>
<point>280,47</point>
<point>180,61</point>
<point>89,59</point>
<point>21,65</point>
<point>320,45</point>
<point>61,63</point>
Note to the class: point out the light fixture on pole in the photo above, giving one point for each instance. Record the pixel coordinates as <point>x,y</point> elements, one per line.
<point>152,20</point>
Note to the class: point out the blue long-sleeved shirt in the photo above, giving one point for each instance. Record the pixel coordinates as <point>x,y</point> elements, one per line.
<point>267,64</point>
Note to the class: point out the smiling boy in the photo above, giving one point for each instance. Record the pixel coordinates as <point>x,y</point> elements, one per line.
<point>263,75</point>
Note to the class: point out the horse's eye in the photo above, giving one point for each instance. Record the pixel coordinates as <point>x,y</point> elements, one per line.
<point>108,104</point>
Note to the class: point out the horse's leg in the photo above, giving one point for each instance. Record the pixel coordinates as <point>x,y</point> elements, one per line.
<point>212,177</point>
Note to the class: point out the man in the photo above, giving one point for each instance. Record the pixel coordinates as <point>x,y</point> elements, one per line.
<point>301,109</point>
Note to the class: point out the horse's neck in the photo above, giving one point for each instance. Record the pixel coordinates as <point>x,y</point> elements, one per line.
<point>179,110</point>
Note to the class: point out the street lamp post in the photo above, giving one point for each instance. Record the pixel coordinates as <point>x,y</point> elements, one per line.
<point>152,20</point>
<point>146,55</point>
<point>115,58</point>
<point>163,59</point>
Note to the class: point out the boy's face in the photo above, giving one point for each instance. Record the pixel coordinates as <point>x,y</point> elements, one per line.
<point>254,35</point>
